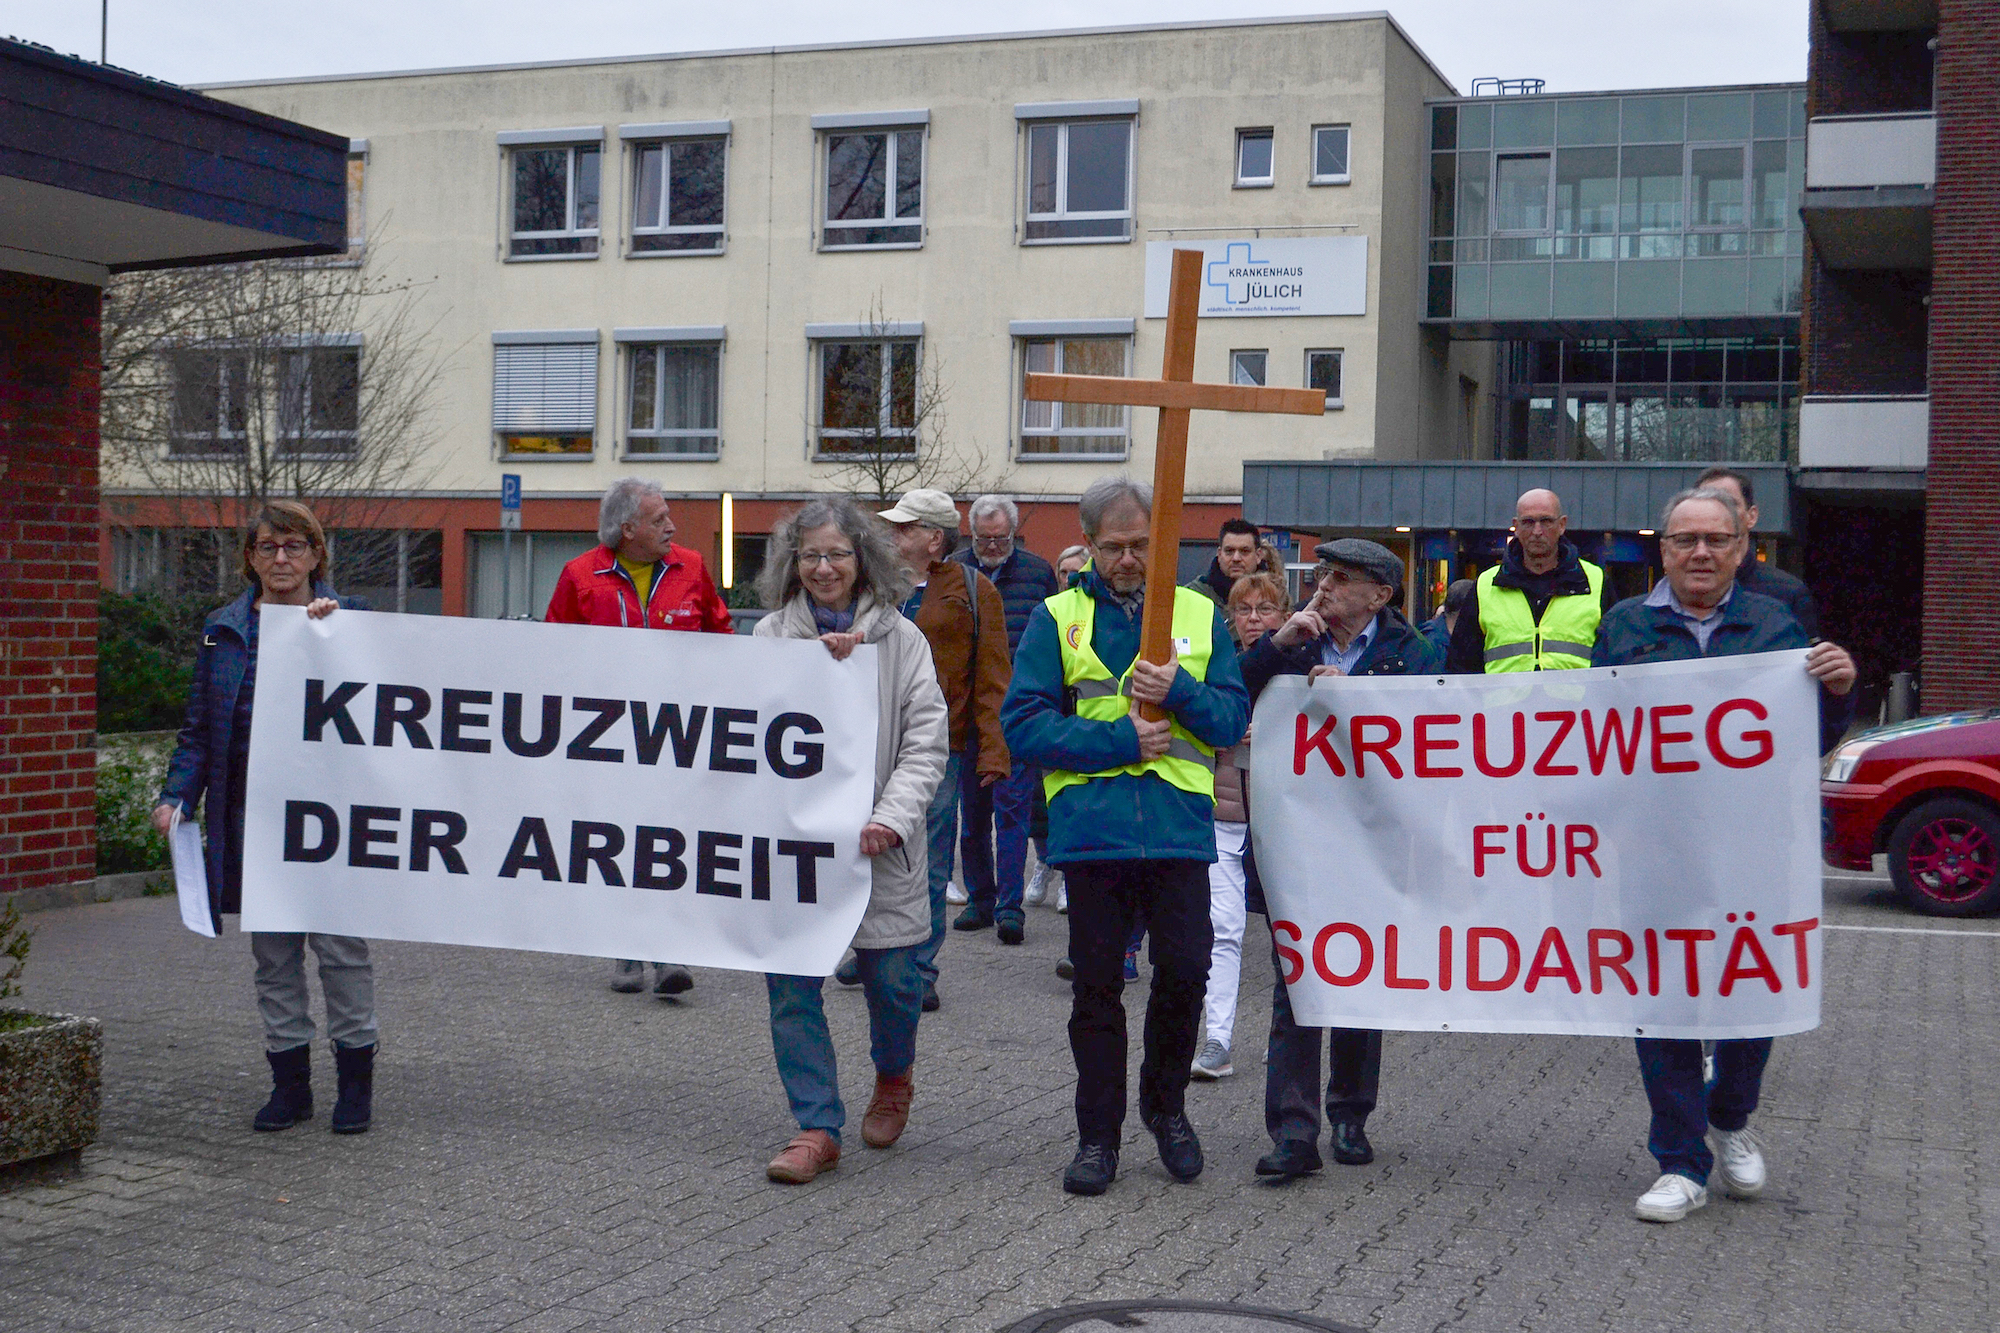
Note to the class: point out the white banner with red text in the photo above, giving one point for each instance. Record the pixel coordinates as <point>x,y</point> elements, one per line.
<point>1622,851</point>
<point>680,798</point>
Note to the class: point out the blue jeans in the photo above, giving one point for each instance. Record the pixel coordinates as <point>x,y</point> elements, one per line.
<point>941,831</point>
<point>997,818</point>
<point>1683,1108</point>
<point>804,1048</point>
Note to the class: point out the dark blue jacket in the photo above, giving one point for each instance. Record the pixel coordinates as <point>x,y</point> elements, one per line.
<point>204,755</point>
<point>1127,817</point>
<point>1025,581</point>
<point>1398,649</point>
<point>1634,633</point>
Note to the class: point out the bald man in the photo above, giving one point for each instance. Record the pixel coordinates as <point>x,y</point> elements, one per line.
<point>1537,610</point>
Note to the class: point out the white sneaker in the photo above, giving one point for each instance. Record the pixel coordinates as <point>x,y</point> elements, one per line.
<point>1037,888</point>
<point>1738,1162</point>
<point>1672,1197</point>
<point>1062,893</point>
<point>955,895</point>
<point>1212,1063</point>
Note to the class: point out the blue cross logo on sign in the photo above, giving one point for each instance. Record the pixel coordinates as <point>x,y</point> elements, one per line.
<point>1247,280</point>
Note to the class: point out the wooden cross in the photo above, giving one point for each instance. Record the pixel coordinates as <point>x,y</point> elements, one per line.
<point>1176,394</point>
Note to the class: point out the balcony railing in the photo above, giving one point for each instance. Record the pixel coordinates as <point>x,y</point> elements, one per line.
<point>1868,431</point>
<point>1868,152</point>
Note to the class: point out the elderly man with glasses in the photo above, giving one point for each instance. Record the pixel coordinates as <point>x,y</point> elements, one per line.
<point>1537,610</point>
<point>1699,610</point>
<point>995,818</point>
<point>1351,627</point>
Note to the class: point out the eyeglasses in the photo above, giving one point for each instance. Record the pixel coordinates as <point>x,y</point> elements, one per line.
<point>289,550</point>
<point>1337,575</point>
<point>1685,542</point>
<point>994,543</point>
<point>1261,609</point>
<point>809,559</point>
<point>1113,552</point>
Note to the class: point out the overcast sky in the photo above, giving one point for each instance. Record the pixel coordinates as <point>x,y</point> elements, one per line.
<point>1573,44</point>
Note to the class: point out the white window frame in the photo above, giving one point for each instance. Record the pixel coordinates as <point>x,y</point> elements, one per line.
<point>222,442</point>
<point>891,125</point>
<point>589,137</point>
<point>1058,333</point>
<point>885,336</point>
<point>349,439</point>
<point>649,341</point>
<point>1270,177</point>
<point>1062,124</point>
<point>543,338</point>
<point>1342,178</point>
<point>637,140</point>
<point>1237,368</point>
<point>1339,355</point>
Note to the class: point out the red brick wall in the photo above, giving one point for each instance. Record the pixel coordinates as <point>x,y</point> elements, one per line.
<point>1962,565</point>
<point>48,580</point>
<point>1866,331</point>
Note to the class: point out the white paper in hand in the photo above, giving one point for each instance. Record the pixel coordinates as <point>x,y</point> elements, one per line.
<point>190,876</point>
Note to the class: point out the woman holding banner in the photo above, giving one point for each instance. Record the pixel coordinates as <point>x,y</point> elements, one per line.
<point>833,574</point>
<point>284,560</point>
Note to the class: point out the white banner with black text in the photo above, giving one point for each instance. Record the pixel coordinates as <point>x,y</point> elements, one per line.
<point>680,798</point>
<point>1629,851</point>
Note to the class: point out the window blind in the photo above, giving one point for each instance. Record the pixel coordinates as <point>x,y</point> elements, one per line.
<point>545,388</point>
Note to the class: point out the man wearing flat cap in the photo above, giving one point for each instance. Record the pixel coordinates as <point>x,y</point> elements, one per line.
<point>1351,627</point>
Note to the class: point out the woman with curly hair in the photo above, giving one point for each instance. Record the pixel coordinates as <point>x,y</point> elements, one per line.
<point>832,574</point>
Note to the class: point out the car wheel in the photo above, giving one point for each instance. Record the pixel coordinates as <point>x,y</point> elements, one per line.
<point>1945,857</point>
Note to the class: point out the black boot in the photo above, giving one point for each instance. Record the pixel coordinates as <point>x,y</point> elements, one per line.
<point>291,1089</point>
<point>356,1067</point>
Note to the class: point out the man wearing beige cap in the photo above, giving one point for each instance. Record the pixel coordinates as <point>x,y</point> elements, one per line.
<point>961,614</point>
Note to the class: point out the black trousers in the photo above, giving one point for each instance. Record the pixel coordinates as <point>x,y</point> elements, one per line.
<point>1291,1079</point>
<point>1105,899</point>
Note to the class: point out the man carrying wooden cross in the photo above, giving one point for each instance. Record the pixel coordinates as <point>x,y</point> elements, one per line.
<point>1131,790</point>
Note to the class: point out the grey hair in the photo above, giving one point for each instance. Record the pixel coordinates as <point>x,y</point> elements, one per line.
<point>882,575</point>
<point>995,504</point>
<point>1723,498</point>
<point>621,505</point>
<point>1108,493</point>
<point>1078,549</point>
<point>950,538</point>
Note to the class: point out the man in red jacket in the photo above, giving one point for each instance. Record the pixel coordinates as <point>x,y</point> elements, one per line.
<point>638,578</point>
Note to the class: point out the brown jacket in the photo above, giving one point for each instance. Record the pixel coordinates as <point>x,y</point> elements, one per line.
<point>945,616</point>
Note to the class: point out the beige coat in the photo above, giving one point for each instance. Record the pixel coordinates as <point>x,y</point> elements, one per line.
<point>910,757</point>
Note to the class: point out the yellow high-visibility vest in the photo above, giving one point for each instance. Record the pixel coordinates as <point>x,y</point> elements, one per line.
<point>1188,764</point>
<point>1561,642</point>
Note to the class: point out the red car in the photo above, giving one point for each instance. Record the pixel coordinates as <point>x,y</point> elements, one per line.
<point>1927,793</point>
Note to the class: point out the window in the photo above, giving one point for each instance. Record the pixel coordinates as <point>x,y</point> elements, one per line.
<point>394,569</point>
<point>357,199</point>
<point>1247,367</point>
<point>1521,192</point>
<point>319,406</point>
<point>677,191</point>
<point>1253,158</point>
<point>1079,181</point>
<point>545,393</point>
<point>673,400</point>
<point>1330,155</point>
<point>219,399</point>
<point>1075,428</point>
<point>211,403</point>
<point>874,188</point>
<point>555,198</point>
<point>1323,373</point>
<point>868,397</point>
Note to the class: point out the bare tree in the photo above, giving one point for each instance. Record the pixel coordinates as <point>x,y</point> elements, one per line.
<point>225,387</point>
<point>882,415</point>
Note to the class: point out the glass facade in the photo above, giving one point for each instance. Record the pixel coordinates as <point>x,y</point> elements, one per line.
<point>1639,207</point>
<point>1655,400</point>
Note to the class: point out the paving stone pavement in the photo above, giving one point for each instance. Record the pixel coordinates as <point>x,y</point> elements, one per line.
<point>549,1155</point>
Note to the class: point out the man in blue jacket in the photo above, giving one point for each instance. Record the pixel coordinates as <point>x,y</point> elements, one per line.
<point>1350,628</point>
<point>1131,816</point>
<point>998,816</point>
<point>1699,610</point>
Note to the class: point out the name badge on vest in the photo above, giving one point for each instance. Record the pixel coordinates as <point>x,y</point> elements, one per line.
<point>1182,647</point>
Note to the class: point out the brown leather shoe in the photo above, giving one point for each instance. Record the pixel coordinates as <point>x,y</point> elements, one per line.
<point>812,1152</point>
<point>888,1110</point>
